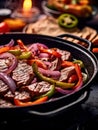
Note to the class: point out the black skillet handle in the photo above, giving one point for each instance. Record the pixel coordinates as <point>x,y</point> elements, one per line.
<point>51,113</point>
<point>77,38</point>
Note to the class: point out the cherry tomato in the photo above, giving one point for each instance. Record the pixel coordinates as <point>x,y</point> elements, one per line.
<point>4,27</point>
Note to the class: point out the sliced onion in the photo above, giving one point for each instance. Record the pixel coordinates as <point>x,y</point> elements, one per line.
<point>9,81</point>
<point>42,45</point>
<point>34,80</point>
<point>43,55</point>
<point>13,59</point>
<point>66,91</point>
<point>11,43</point>
<point>50,73</point>
<point>36,45</point>
<point>34,48</point>
<point>49,64</point>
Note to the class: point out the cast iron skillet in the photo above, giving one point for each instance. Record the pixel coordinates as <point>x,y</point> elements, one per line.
<point>65,102</point>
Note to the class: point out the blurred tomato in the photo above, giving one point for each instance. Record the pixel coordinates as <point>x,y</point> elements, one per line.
<point>4,27</point>
<point>84,2</point>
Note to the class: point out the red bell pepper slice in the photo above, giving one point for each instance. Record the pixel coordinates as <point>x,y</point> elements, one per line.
<point>38,101</point>
<point>38,62</point>
<point>4,49</point>
<point>21,45</point>
<point>95,50</point>
<point>67,63</point>
<point>73,78</point>
<point>50,51</point>
<point>79,74</point>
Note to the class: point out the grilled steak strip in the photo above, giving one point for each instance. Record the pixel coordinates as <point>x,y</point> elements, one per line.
<point>23,74</point>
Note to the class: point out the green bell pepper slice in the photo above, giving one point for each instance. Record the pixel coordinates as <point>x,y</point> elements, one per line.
<point>25,55</point>
<point>67,20</point>
<point>79,62</point>
<point>49,93</point>
<point>15,52</point>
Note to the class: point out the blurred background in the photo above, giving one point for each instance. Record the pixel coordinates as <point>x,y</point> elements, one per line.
<point>13,4</point>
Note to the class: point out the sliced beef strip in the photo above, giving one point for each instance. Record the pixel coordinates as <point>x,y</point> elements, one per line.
<point>66,73</point>
<point>56,64</point>
<point>23,74</point>
<point>30,88</point>
<point>4,64</point>
<point>9,96</point>
<point>4,103</point>
<point>22,96</point>
<point>38,88</point>
<point>3,88</point>
<point>42,87</point>
<point>66,55</point>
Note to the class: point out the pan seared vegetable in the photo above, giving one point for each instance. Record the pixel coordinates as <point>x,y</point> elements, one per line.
<point>38,101</point>
<point>63,85</point>
<point>34,73</point>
